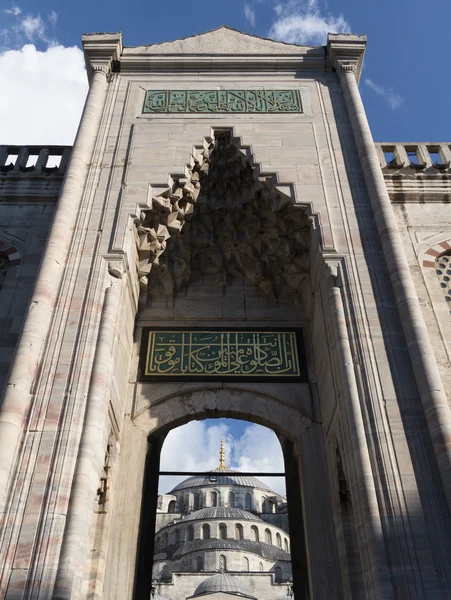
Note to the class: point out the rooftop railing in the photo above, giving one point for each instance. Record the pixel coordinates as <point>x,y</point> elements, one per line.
<point>430,157</point>
<point>34,160</point>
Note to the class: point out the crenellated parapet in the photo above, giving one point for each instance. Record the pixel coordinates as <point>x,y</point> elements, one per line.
<point>416,172</point>
<point>32,172</point>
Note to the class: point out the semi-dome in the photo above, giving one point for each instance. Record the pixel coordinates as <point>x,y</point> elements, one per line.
<point>222,582</point>
<point>221,512</point>
<point>224,477</point>
<point>262,549</point>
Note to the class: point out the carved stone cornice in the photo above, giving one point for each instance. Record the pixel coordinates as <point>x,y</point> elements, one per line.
<point>102,51</point>
<point>345,52</point>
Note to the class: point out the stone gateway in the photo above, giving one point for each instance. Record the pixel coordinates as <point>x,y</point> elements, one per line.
<point>224,193</point>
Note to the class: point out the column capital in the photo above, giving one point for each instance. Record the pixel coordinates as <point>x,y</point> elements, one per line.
<point>101,50</point>
<point>345,52</point>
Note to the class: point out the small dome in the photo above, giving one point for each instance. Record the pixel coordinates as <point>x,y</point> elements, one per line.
<point>222,582</point>
<point>221,512</point>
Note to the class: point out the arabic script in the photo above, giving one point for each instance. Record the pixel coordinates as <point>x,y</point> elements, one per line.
<point>222,101</point>
<point>213,353</point>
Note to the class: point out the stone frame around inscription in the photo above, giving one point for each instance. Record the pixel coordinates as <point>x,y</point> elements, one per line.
<point>301,378</point>
<point>261,101</point>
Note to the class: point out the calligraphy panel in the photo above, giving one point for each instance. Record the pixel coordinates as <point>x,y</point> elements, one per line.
<point>221,354</point>
<point>222,101</point>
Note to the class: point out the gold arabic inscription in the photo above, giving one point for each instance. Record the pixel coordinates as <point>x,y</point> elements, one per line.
<point>219,353</point>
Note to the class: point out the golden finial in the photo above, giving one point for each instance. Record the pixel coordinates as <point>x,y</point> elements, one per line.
<point>222,466</point>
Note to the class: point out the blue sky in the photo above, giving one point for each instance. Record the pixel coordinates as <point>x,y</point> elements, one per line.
<point>405,85</point>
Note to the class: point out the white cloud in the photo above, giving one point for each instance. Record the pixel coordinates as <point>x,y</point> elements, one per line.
<point>53,17</point>
<point>14,10</point>
<point>33,28</point>
<point>393,99</point>
<point>195,447</point>
<point>302,22</point>
<point>249,13</point>
<point>42,95</point>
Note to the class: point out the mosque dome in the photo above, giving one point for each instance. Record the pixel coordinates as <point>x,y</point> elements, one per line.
<point>221,512</point>
<point>223,477</point>
<point>222,582</point>
<point>221,533</point>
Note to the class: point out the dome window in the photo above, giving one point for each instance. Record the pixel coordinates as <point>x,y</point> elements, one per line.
<point>223,531</point>
<point>239,532</point>
<point>190,533</point>
<point>278,540</point>
<point>205,531</point>
<point>222,563</point>
<point>255,535</point>
<point>268,536</point>
<point>214,498</point>
<point>231,499</point>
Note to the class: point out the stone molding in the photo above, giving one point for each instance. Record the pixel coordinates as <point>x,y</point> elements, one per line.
<point>101,51</point>
<point>346,52</point>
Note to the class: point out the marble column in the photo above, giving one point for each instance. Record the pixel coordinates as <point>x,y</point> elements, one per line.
<point>427,375</point>
<point>91,454</point>
<point>18,398</point>
<point>368,516</point>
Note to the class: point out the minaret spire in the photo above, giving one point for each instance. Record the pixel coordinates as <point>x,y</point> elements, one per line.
<point>222,466</point>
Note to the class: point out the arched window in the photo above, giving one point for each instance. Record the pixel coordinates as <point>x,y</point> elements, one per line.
<point>231,499</point>
<point>248,502</point>
<point>197,502</point>
<point>263,504</point>
<point>239,532</point>
<point>171,506</point>
<point>443,271</point>
<point>166,574</point>
<point>268,536</point>
<point>205,532</point>
<point>261,567</point>
<point>222,563</point>
<point>278,540</point>
<point>287,549</point>
<point>177,536</point>
<point>255,535</point>
<point>223,532</point>
<point>165,540</point>
<point>199,563</point>
<point>214,499</point>
<point>190,533</point>
<point>245,564</point>
<point>181,503</point>
<point>278,575</point>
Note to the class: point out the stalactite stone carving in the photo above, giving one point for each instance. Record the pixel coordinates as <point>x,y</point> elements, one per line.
<point>224,219</point>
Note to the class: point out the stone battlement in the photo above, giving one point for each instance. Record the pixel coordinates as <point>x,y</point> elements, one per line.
<point>32,172</point>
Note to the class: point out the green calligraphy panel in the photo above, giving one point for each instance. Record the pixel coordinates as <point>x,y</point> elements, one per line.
<point>221,354</point>
<point>222,101</point>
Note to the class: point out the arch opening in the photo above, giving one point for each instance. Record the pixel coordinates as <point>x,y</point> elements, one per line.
<point>207,528</point>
